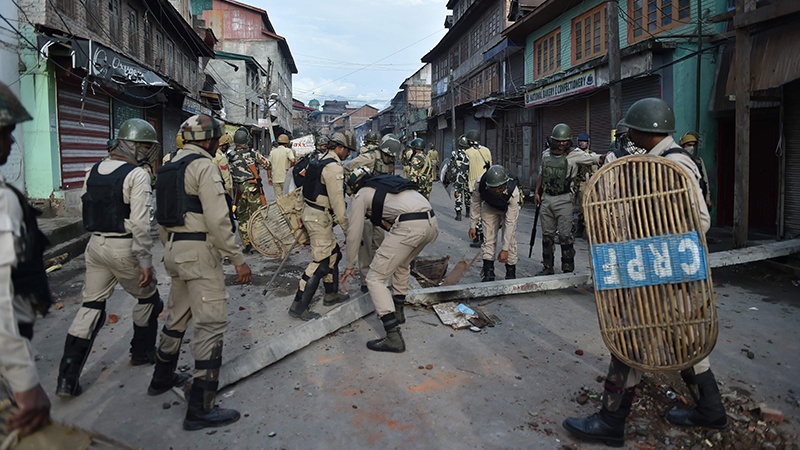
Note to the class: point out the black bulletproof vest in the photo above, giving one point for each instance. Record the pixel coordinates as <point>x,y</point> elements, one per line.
<point>385,184</point>
<point>104,209</point>
<point>499,202</point>
<point>172,201</point>
<point>703,181</point>
<point>312,186</point>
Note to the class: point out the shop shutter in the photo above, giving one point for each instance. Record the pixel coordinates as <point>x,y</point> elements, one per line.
<point>573,113</point>
<point>791,178</point>
<point>600,122</point>
<point>83,130</point>
<point>639,88</point>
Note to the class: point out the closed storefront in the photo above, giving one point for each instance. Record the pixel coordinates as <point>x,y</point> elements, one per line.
<point>791,162</point>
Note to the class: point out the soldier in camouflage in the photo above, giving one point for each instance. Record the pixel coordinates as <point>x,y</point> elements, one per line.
<point>585,171</point>
<point>480,159</point>
<point>459,167</point>
<point>249,192</point>
<point>371,142</point>
<point>380,161</point>
<point>420,170</point>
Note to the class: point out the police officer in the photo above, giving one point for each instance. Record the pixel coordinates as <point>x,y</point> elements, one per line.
<point>622,146</point>
<point>281,159</point>
<point>116,210</point>
<point>249,191</point>
<point>323,192</point>
<point>554,191</point>
<point>392,202</point>
<point>371,141</point>
<point>379,159</point>
<point>690,142</point>
<point>459,165</point>
<point>433,157</point>
<point>480,159</point>
<point>420,170</point>
<point>198,231</point>
<point>585,171</point>
<point>221,160</point>
<point>496,202</point>
<point>23,286</point>
<point>650,123</point>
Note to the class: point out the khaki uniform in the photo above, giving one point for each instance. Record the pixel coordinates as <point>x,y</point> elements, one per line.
<point>407,162</point>
<point>281,158</point>
<point>480,159</point>
<point>193,260</point>
<point>404,241</point>
<point>493,219</point>
<point>319,221</point>
<point>224,168</point>
<point>113,258</point>
<point>17,366</point>
<point>433,157</point>
<point>372,236</point>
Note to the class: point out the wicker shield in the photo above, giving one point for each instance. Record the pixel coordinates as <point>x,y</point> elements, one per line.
<point>274,226</point>
<point>649,259</point>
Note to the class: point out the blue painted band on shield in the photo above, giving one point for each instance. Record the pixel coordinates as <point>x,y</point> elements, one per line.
<point>647,262</point>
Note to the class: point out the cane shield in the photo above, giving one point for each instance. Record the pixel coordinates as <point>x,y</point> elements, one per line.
<point>649,260</point>
<point>273,227</point>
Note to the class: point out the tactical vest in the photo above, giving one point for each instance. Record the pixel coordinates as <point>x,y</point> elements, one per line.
<point>383,185</point>
<point>702,180</point>
<point>554,175</point>
<point>172,201</point>
<point>104,209</point>
<point>313,187</point>
<point>378,166</point>
<point>499,202</point>
<point>240,166</point>
<point>300,170</point>
<point>29,276</point>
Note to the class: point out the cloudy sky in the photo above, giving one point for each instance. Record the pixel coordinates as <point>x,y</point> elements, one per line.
<point>360,50</point>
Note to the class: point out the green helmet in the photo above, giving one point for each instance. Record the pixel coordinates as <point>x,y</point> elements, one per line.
<point>621,129</point>
<point>418,144</point>
<point>390,146</point>
<point>371,137</point>
<point>200,127</point>
<point>110,143</point>
<point>651,115</point>
<point>137,130</point>
<point>343,138</point>
<point>496,176</point>
<point>356,178</point>
<point>11,110</point>
<point>561,132</point>
<point>463,142</point>
<point>241,136</point>
<point>472,137</point>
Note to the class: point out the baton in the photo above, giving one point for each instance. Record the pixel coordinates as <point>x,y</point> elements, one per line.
<point>533,232</point>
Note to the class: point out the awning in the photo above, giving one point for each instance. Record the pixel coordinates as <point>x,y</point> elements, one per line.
<point>212,99</point>
<point>505,47</point>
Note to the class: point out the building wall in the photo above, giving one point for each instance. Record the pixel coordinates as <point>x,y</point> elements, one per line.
<point>13,170</point>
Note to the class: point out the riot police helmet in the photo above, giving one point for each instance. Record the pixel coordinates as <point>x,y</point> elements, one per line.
<point>472,137</point>
<point>371,137</point>
<point>561,132</point>
<point>357,178</point>
<point>391,147</point>
<point>650,115</point>
<point>417,144</point>
<point>690,136</point>
<point>241,136</point>
<point>343,138</point>
<point>496,176</point>
<point>283,139</point>
<point>11,110</point>
<point>137,130</point>
<point>621,129</point>
<point>202,127</point>
<point>463,142</point>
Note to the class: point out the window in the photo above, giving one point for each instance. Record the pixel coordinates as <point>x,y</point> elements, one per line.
<point>66,6</point>
<point>589,35</point>
<point>649,17</point>
<point>133,31</point>
<point>168,53</point>
<point>92,14</point>
<point>148,44</point>
<point>547,54</point>
<point>159,52</point>
<point>115,19</point>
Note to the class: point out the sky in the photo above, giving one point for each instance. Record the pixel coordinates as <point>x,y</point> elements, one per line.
<point>358,50</point>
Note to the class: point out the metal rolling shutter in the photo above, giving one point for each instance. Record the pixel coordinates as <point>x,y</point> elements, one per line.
<point>573,113</point>
<point>639,88</point>
<point>83,130</point>
<point>791,177</point>
<point>600,122</point>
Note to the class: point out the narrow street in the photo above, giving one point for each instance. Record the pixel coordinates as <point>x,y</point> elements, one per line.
<point>508,386</point>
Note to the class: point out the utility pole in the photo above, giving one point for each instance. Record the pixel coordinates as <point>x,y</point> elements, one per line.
<point>452,86</point>
<point>741,186</point>
<point>699,61</point>
<point>614,63</point>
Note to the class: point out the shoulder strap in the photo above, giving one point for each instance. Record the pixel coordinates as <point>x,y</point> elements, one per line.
<point>703,182</point>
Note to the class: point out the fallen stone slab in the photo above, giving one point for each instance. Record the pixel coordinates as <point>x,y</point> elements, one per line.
<point>754,253</point>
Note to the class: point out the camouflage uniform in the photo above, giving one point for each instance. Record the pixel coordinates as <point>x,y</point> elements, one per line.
<point>585,171</point>
<point>420,172</point>
<point>459,165</point>
<point>248,188</point>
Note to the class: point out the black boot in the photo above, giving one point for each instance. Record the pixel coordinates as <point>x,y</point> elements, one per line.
<point>299,308</point>
<point>567,258</point>
<point>399,308</point>
<point>709,411</point>
<point>458,216</point>
<point>164,375</point>
<point>511,271</point>
<point>488,270</point>
<point>143,344</point>
<point>203,413</point>
<point>606,426</point>
<point>76,351</point>
<point>548,256</point>
<point>393,342</point>
<point>332,295</point>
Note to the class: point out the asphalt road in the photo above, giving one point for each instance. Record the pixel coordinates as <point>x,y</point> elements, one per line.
<point>509,386</point>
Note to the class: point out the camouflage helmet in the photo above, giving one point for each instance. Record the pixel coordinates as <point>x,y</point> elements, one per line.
<point>390,146</point>
<point>472,136</point>
<point>418,144</point>
<point>137,130</point>
<point>690,136</point>
<point>201,127</point>
<point>322,142</point>
<point>650,115</point>
<point>226,139</point>
<point>463,142</point>
<point>179,140</point>
<point>241,136</point>
<point>356,178</point>
<point>561,132</point>
<point>496,176</point>
<point>11,110</point>
<point>283,139</point>
<point>343,138</point>
<point>371,137</point>
<point>621,129</point>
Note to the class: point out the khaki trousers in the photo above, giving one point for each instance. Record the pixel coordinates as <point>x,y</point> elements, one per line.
<point>198,295</point>
<point>393,260</point>
<point>371,239</point>
<point>493,220</point>
<point>319,225</point>
<point>278,187</point>
<point>110,261</point>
